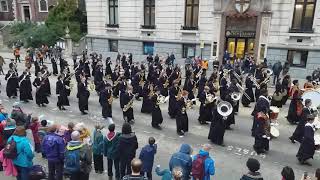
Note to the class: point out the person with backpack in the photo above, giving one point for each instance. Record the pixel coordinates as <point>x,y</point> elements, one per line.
<point>53,148</point>
<point>183,160</point>
<point>78,158</point>
<point>136,166</point>
<point>110,151</point>
<point>97,149</point>
<point>253,174</point>
<point>203,165</point>
<point>147,157</point>
<point>128,144</point>
<point>19,149</point>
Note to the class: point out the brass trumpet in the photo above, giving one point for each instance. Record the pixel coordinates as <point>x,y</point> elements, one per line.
<point>91,86</point>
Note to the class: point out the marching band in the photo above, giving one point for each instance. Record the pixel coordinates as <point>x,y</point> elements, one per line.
<point>219,95</point>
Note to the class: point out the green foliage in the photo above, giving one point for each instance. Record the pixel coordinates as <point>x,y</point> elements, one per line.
<point>29,34</point>
<point>66,14</point>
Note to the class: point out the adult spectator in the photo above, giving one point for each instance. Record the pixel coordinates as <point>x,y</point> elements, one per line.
<point>136,166</point>
<point>23,161</point>
<point>110,151</point>
<point>147,157</point>
<point>253,174</point>
<point>317,174</point>
<point>276,68</point>
<point>182,159</point>
<point>21,118</point>
<point>1,65</point>
<point>78,158</point>
<point>208,162</point>
<point>287,173</point>
<point>128,144</point>
<point>53,147</point>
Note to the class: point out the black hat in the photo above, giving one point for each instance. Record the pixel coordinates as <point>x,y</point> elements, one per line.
<point>253,164</point>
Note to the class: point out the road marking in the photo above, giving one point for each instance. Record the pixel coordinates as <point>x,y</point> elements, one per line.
<point>244,152</point>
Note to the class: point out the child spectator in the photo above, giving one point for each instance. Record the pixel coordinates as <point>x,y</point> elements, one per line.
<point>34,126</point>
<point>9,129</point>
<point>110,146</point>
<point>97,148</point>
<point>67,133</point>
<point>42,132</point>
<point>147,157</point>
<point>253,174</point>
<point>165,174</point>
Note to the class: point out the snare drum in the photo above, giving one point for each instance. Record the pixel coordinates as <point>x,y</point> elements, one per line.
<point>274,132</point>
<point>274,112</point>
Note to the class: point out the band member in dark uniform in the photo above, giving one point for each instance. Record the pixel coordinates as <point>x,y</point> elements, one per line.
<point>182,117</point>
<point>262,133</point>
<point>262,105</point>
<point>54,66</point>
<point>190,86</point>
<point>173,92</point>
<point>286,84</point>
<point>217,128</point>
<point>126,103</point>
<point>86,68</point>
<point>249,90</point>
<point>12,83</point>
<point>277,96</point>
<point>202,82</point>
<point>157,118</point>
<point>115,81</point>
<point>98,75</point>
<point>307,146</point>
<point>163,84</point>
<point>108,71</point>
<point>61,91</point>
<point>137,83</point>
<point>41,96</point>
<point>25,86</point>
<point>36,67</point>
<point>147,93</point>
<point>45,76</point>
<point>105,100</point>
<point>83,95</point>
<point>296,106</point>
<point>205,107</point>
<point>224,89</point>
<point>299,131</point>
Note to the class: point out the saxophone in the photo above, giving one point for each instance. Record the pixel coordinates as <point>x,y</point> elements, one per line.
<point>128,105</point>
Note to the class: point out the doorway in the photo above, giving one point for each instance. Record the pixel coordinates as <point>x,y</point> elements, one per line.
<point>26,13</point>
<point>238,47</point>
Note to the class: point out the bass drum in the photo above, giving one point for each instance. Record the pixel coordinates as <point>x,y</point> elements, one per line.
<point>314,96</point>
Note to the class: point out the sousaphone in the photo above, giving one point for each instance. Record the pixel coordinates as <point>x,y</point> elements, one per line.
<point>224,108</point>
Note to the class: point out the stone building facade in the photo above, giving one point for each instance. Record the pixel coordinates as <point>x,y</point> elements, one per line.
<point>279,30</point>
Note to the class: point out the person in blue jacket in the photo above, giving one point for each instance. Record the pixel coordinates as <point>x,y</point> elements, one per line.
<point>147,157</point>
<point>209,168</point>
<point>23,161</point>
<point>183,160</point>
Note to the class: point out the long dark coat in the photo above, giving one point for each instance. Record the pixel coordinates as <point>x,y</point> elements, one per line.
<point>217,129</point>
<point>83,95</point>
<point>157,118</point>
<point>41,96</point>
<point>307,147</point>
<point>25,88</point>
<point>62,93</point>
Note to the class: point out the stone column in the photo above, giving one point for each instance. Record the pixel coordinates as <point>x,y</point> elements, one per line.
<point>68,41</point>
<point>263,34</point>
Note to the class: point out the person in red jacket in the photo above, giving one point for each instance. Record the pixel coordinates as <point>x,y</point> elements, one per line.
<point>34,126</point>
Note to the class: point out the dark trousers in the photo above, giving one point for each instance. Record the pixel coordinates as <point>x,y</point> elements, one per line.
<point>55,170</point>
<point>116,167</point>
<point>275,78</point>
<point>79,176</point>
<point>98,163</point>
<point>23,173</point>
<point>149,175</point>
<point>125,167</point>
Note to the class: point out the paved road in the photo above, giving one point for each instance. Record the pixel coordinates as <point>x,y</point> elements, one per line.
<point>230,160</point>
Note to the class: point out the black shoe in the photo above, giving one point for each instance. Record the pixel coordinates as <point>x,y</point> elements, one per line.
<point>83,113</point>
<point>43,105</point>
<point>59,107</point>
<point>63,109</point>
<point>292,140</point>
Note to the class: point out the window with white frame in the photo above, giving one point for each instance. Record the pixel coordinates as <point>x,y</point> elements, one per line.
<point>4,6</point>
<point>43,5</point>
<point>113,13</point>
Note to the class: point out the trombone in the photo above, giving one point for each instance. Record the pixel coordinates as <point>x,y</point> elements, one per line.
<point>242,90</point>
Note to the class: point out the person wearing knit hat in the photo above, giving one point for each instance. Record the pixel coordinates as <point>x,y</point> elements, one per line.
<point>253,174</point>
<point>75,146</point>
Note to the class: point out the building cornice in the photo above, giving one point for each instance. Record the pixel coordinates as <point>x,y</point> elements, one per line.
<point>294,46</point>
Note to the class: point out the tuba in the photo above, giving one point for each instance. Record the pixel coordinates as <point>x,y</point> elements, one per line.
<point>268,72</point>
<point>224,108</point>
<point>236,96</point>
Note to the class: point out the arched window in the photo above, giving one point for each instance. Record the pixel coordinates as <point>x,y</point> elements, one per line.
<point>4,6</point>
<point>43,6</point>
